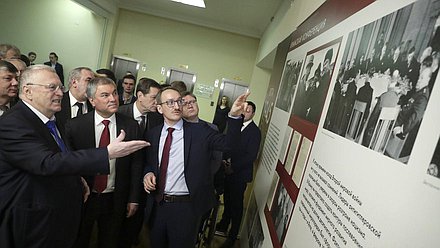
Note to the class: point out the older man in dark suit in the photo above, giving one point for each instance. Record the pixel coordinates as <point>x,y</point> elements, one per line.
<point>41,190</point>
<point>75,101</point>
<point>178,173</point>
<point>114,196</point>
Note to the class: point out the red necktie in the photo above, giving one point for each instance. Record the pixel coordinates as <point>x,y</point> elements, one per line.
<point>164,164</point>
<point>101,180</point>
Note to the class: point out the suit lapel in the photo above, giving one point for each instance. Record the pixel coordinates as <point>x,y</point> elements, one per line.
<point>89,129</point>
<point>187,136</point>
<point>40,126</point>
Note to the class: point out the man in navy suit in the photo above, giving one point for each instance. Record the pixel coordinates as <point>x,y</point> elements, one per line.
<point>42,192</point>
<point>53,62</point>
<point>185,191</point>
<point>239,170</point>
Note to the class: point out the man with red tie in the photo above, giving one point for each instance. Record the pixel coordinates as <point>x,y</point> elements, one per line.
<point>41,188</point>
<point>178,173</point>
<point>114,196</point>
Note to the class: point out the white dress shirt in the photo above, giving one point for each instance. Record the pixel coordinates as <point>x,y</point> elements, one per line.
<point>99,127</point>
<point>176,183</point>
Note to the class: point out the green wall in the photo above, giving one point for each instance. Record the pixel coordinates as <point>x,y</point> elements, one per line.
<point>210,54</point>
<point>62,26</point>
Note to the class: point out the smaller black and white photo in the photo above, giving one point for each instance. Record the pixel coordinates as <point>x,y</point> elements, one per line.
<point>288,84</point>
<point>257,236</point>
<point>281,212</point>
<point>434,166</point>
<point>314,82</point>
<point>252,210</point>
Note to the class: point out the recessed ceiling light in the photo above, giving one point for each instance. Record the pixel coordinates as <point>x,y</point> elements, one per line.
<point>196,3</point>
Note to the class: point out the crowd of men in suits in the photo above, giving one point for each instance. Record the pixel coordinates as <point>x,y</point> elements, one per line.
<point>70,159</point>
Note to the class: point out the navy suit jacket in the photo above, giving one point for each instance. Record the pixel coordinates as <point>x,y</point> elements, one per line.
<point>40,187</point>
<point>242,158</point>
<point>80,134</point>
<point>199,142</point>
<point>66,112</point>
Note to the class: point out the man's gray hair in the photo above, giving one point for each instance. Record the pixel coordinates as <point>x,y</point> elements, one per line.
<point>4,48</point>
<point>75,74</point>
<point>28,75</point>
<point>93,85</point>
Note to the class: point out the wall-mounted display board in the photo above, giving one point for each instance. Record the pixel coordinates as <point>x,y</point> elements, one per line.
<point>351,153</point>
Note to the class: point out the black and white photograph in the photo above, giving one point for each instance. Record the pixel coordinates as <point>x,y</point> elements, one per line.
<point>386,75</point>
<point>314,82</point>
<point>252,210</point>
<point>288,84</point>
<point>257,236</point>
<point>281,211</point>
<point>434,166</point>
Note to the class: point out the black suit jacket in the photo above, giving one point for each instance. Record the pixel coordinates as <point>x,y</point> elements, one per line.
<point>59,69</point>
<point>40,187</point>
<point>66,112</point>
<point>242,158</point>
<point>153,118</point>
<point>199,142</point>
<point>80,134</point>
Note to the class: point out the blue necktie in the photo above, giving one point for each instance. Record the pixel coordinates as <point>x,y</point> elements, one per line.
<point>53,130</point>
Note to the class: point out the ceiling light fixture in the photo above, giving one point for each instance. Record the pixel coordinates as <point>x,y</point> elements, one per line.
<point>196,3</point>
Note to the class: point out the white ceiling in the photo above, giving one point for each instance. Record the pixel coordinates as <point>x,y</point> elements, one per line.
<point>245,17</point>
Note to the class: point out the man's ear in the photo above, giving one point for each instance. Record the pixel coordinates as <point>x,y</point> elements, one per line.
<point>159,109</point>
<point>139,94</point>
<point>27,91</point>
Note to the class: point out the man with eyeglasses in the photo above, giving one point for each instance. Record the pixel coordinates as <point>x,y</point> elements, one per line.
<point>178,176</point>
<point>8,86</point>
<point>75,101</point>
<point>42,192</point>
<point>190,113</point>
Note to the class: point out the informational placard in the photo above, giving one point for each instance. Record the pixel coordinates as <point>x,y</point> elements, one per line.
<point>352,152</point>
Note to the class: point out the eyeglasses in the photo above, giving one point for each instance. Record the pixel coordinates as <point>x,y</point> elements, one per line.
<point>51,87</point>
<point>170,103</point>
<point>192,102</point>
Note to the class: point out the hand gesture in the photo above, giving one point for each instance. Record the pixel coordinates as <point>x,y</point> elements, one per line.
<point>119,148</point>
<point>239,105</point>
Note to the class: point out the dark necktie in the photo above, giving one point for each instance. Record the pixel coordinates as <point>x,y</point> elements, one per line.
<point>80,108</point>
<point>164,164</point>
<point>53,130</point>
<point>101,180</point>
<point>142,123</point>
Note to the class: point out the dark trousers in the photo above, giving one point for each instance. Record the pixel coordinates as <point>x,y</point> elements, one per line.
<point>233,206</point>
<point>99,209</point>
<point>173,225</point>
<point>133,225</point>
